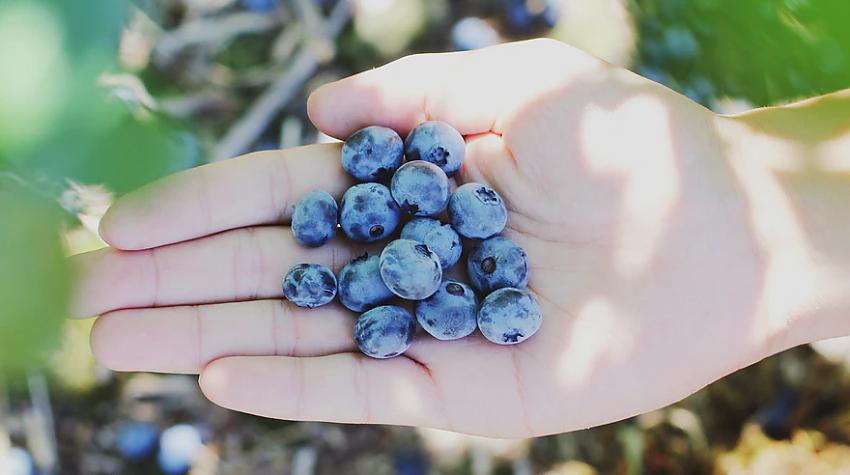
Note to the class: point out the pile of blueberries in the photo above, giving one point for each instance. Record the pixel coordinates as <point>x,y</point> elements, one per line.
<point>412,267</point>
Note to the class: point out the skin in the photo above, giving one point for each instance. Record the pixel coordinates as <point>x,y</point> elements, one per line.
<point>667,246</point>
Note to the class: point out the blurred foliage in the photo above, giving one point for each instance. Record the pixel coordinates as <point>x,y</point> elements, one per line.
<point>34,283</point>
<point>765,51</point>
<point>58,124</point>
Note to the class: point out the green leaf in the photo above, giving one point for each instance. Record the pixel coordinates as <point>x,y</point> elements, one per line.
<point>107,145</point>
<point>34,277</point>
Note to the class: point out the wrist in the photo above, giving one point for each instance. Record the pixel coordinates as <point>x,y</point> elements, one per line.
<point>788,164</point>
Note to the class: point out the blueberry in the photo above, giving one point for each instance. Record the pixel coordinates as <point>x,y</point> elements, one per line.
<point>309,285</point>
<point>439,237</point>
<point>495,263</point>
<point>179,446</point>
<point>420,188</point>
<point>314,220</point>
<point>518,15</point>
<point>368,212</point>
<point>410,269</point>
<point>473,33</point>
<point>509,316</point>
<point>260,6</point>
<point>384,332</point>
<point>17,461</point>
<point>137,440</point>
<point>681,43</point>
<point>360,285</point>
<point>450,313</point>
<point>438,143</point>
<point>373,153</point>
<point>477,211</point>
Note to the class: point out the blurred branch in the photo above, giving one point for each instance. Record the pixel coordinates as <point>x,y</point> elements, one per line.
<point>41,437</point>
<point>190,105</point>
<point>129,89</point>
<point>304,461</point>
<point>285,44</point>
<point>311,19</point>
<point>211,32</point>
<point>246,130</point>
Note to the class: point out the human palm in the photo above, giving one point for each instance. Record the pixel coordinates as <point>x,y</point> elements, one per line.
<point>641,251</point>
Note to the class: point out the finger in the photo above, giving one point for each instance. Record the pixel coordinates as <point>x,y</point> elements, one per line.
<point>345,387</point>
<point>487,148</point>
<point>244,264</point>
<point>470,89</point>
<point>184,339</point>
<point>259,188</point>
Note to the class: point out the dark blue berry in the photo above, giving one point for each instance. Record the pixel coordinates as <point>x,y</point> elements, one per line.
<point>260,6</point>
<point>476,211</point>
<point>450,313</point>
<point>360,285</point>
<point>373,153</point>
<point>410,269</point>
<point>420,188</point>
<point>368,212</point>
<point>137,440</point>
<point>314,219</point>
<point>509,316</point>
<point>438,143</point>
<point>384,332</point>
<point>439,237</point>
<point>309,285</point>
<point>495,263</point>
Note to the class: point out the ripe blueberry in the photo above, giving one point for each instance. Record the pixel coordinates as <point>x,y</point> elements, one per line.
<point>314,219</point>
<point>384,332</point>
<point>179,446</point>
<point>438,143</point>
<point>450,313</point>
<point>495,263</point>
<point>477,211</point>
<point>368,212</point>
<point>137,440</point>
<point>420,188</point>
<point>373,153</point>
<point>439,237</point>
<point>410,269</point>
<point>360,285</point>
<point>509,316</point>
<point>309,285</point>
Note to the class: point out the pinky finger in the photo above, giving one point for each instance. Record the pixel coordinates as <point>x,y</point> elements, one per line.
<point>345,387</point>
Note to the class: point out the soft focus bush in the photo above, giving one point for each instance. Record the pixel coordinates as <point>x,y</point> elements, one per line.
<point>56,125</point>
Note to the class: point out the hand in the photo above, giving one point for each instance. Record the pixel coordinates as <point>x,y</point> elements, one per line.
<point>643,250</point>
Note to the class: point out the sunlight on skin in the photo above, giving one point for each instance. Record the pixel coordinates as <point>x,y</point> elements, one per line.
<point>410,401</point>
<point>831,155</point>
<point>791,278</point>
<point>590,342</point>
<point>446,441</point>
<point>651,180</point>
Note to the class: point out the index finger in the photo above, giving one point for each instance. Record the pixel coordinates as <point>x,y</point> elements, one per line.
<point>255,189</point>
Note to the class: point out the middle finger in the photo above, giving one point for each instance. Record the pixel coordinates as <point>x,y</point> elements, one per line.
<point>243,264</point>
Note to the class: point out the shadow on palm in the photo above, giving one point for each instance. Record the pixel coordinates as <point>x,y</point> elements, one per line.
<point>632,223</point>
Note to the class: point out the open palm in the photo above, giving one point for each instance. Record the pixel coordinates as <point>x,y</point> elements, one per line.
<point>642,256</point>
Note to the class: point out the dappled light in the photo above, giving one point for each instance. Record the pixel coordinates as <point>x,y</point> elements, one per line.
<point>650,177</point>
<point>599,335</point>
